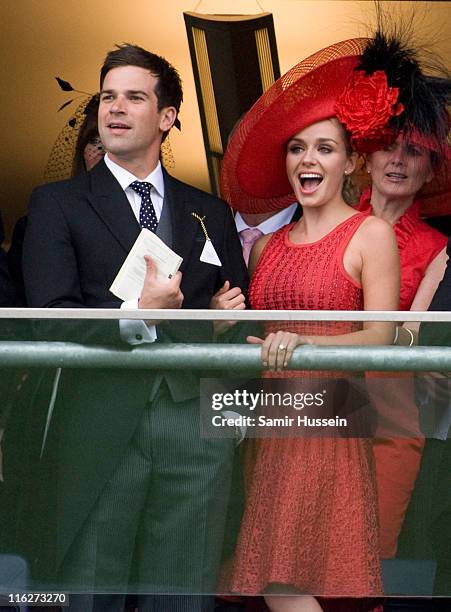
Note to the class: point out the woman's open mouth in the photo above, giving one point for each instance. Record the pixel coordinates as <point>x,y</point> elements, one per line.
<point>310,181</point>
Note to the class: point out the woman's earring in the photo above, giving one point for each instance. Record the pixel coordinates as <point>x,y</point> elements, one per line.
<point>368,171</point>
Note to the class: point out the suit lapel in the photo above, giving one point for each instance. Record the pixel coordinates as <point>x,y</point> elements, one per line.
<point>110,202</point>
<point>184,226</point>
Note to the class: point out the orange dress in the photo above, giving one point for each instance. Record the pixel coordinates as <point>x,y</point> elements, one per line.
<point>310,519</point>
<point>398,458</point>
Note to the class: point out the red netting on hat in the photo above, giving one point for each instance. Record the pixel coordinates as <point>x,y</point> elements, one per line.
<point>253,177</point>
<point>435,197</point>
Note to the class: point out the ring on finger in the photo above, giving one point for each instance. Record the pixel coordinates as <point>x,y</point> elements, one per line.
<point>282,347</point>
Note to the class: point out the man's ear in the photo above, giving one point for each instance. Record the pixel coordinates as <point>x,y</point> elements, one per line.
<point>168,115</point>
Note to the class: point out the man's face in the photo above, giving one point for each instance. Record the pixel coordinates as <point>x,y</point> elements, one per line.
<point>130,124</point>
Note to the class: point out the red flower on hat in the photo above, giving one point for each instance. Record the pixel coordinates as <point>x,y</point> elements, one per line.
<point>365,108</point>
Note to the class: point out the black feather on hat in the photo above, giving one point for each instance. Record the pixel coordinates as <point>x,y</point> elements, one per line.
<point>425,98</point>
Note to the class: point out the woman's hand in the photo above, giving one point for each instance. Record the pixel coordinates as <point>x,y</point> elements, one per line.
<point>278,347</point>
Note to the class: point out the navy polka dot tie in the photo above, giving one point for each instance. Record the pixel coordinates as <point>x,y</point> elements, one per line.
<point>147,215</point>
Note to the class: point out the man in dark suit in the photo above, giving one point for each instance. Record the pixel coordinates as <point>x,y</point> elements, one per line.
<point>426,532</point>
<point>431,333</point>
<point>134,500</point>
<point>435,402</point>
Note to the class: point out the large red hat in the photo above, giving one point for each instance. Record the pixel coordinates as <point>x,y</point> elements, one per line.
<point>346,80</point>
<point>253,177</point>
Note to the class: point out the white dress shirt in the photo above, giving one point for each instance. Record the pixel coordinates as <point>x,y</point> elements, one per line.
<point>125,178</point>
<point>136,331</point>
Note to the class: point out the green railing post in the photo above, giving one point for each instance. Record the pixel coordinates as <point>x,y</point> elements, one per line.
<point>221,357</point>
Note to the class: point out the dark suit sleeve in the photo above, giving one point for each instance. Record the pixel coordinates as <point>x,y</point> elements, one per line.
<point>49,259</point>
<point>15,260</point>
<point>7,332</point>
<point>7,328</point>
<point>439,334</point>
<point>7,292</point>
<point>51,273</point>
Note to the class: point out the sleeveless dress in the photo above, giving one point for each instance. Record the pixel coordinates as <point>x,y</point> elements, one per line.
<point>418,245</point>
<point>397,460</point>
<point>310,519</point>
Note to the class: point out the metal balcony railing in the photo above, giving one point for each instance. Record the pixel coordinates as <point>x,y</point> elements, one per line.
<point>216,357</point>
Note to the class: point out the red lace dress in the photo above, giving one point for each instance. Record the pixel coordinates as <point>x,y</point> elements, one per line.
<point>398,459</point>
<point>310,519</point>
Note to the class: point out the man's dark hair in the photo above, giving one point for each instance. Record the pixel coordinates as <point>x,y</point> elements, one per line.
<point>169,87</point>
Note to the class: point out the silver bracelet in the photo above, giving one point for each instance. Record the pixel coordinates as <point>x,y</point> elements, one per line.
<point>396,335</point>
<point>411,335</point>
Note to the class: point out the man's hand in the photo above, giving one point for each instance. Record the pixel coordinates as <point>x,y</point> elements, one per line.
<point>160,294</point>
<point>227,298</point>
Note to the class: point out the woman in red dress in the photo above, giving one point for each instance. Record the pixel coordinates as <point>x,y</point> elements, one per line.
<point>398,172</point>
<point>319,490</point>
<point>310,525</point>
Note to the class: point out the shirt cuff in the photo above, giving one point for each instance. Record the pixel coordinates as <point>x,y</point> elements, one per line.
<point>134,331</point>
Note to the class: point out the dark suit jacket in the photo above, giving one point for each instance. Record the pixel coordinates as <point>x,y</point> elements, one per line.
<point>7,293</point>
<point>7,332</point>
<point>426,531</point>
<point>79,233</point>
<point>7,328</point>
<point>439,334</point>
<point>15,259</point>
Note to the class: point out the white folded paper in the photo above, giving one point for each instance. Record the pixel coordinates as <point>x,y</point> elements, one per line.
<point>129,281</point>
<point>209,254</point>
